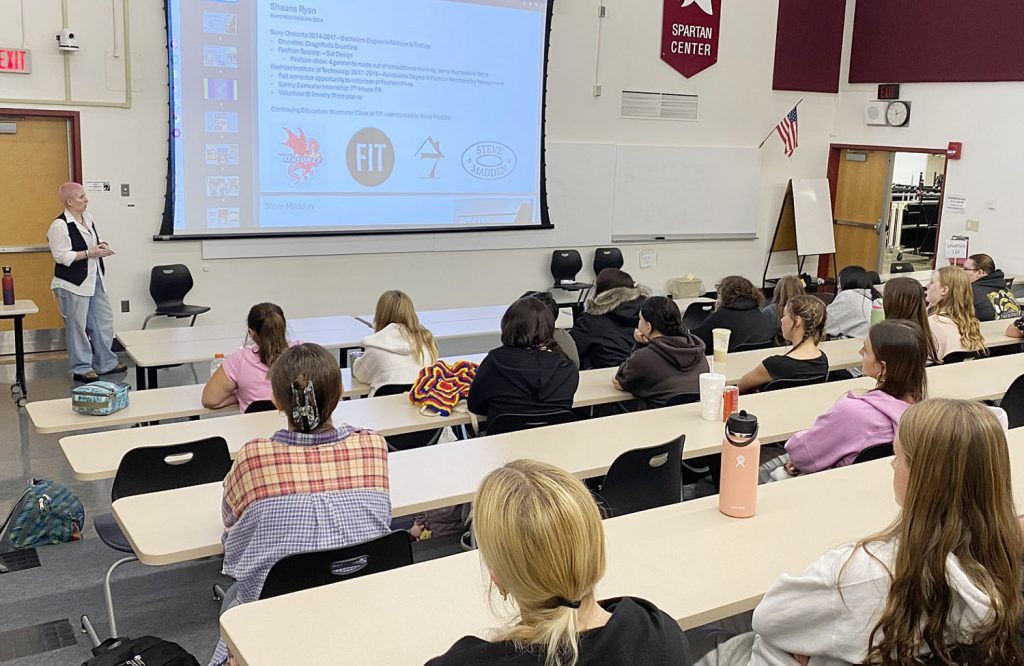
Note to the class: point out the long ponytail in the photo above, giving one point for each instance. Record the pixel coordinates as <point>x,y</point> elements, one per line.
<point>267,323</point>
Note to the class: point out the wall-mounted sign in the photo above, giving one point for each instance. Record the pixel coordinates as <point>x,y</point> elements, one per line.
<point>15,61</point>
<point>888,91</point>
<point>689,38</point>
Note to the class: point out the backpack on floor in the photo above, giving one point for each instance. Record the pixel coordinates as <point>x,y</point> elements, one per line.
<point>142,651</point>
<point>47,513</point>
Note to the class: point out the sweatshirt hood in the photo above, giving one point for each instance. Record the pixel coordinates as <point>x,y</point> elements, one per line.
<point>683,352</point>
<point>623,302</point>
<point>534,372</point>
<point>972,607</point>
<point>883,403</point>
<point>994,280</point>
<point>741,304</point>
<point>391,338</point>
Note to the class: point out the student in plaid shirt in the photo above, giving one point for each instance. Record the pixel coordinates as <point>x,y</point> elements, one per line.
<point>310,487</point>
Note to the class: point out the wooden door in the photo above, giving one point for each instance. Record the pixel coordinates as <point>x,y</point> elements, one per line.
<point>34,161</point>
<point>861,199</point>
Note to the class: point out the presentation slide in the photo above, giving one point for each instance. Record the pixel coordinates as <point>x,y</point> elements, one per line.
<point>356,116</point>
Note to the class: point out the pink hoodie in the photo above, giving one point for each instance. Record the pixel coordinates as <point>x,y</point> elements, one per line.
<point>853,424</point>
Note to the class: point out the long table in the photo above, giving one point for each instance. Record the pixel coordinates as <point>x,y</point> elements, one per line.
<point>694,563</point>
<point>185,523</point>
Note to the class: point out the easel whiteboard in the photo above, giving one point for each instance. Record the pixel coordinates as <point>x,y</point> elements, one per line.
<point>685,193</point>
<point>812,205</point>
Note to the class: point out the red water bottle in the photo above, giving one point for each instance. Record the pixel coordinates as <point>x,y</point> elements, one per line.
<point>8,282</point>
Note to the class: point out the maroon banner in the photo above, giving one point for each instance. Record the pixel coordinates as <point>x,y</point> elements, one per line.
<point>689,38</point>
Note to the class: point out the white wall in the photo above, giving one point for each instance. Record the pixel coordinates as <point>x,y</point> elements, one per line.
<point>737,108</point>
<point>986,118</point>
<point>908,167</point>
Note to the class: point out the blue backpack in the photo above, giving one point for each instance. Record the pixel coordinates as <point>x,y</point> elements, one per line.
<point>47,513</point>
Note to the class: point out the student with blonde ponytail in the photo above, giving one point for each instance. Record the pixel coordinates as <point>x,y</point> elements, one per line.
<point>244,376</point>
<point>399,347</point>
<point>953,321</point>
<point>803,325</point>
<point>540,537</point>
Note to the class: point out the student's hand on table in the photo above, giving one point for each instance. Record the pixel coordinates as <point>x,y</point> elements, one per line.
<point>616,384</point>
<point>793,471</point>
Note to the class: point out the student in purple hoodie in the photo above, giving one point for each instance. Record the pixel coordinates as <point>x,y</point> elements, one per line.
<point>895,354</point>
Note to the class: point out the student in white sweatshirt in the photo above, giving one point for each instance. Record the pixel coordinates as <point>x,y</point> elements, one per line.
<point>947,571</point>
<point>399,348</point>
<point>850,313</point>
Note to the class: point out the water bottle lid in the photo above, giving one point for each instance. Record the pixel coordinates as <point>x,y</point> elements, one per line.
<point>218,355</point>
<point>741,428</point>
<point>7,269</point>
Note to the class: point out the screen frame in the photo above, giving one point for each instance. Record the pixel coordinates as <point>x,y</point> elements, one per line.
<point>166,232</point>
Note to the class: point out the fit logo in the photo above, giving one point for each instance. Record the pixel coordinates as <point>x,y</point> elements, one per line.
<point>370,157</point>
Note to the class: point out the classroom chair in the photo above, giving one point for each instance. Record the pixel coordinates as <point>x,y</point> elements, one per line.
<point>643,479</point>
<point>260,406</point>
<point>825,297</point>
<point>514,422</point>
<point>412,440</point>
<point>901,267</point>
<point>168,286</point>
<point>607,257</point>
<point>874,452</point>
<point>682,399</point>
<point>565,264</point>
<point>959,357</point>
<point>151,469</point>
<point>323,567</point>
<point>1013,403</point>
<point>696,313</point>
<point>750,346</point>
<point>776,384</point>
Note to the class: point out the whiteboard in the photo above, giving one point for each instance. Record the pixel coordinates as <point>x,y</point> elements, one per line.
<point>812,207</point>
<point>685,193</point>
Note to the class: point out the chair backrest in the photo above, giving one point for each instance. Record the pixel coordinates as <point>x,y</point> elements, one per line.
<point>1013,403</point>
<point>607,257</point>
<point>260,406</point>
<point>696,313</point>
<point>153,468</point>
<point>959,357</point>
<point>565,264</point>
<point>874,452</point>
<point>876,279</point>
<point>901,267</point>
<point>644,478</point>
<point>825,297</point>
<point>169,284</point>
<point>411,440</point>
<point>776,384</point>
<point>392,389</point>
<point>1009,281</point>
<point>503,423</point>
<point>750,346</point>
<point>323,567</point>
<point>682,399</point>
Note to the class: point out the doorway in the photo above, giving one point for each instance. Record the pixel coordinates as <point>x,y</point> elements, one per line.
<point>887,204</point>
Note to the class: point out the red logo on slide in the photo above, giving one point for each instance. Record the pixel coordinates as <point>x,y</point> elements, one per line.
<point>689,38</point>
<point>304,158</point>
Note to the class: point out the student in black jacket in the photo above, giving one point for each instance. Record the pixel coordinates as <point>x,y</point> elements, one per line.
<point>739,310</point>
<point>666,361</point>
<point>992,300</point>
<point>528,373</point>
<point>542,541</point>
<point>604,333</point>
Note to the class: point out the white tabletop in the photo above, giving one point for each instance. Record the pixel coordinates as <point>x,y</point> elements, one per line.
<point>691,561</point>
<point>20,307</point>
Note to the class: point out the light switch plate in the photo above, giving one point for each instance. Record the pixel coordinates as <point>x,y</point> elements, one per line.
<point>972,225</point>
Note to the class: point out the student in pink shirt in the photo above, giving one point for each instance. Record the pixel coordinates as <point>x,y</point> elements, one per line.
<point>243,377</point>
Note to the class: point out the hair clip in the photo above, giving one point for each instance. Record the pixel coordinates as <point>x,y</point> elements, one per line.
<point>304,407</point>
<point>568,604</point>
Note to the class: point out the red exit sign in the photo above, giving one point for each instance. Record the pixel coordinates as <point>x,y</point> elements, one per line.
<point>15,61</point>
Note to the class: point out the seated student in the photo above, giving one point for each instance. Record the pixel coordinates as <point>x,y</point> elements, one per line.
<point>786,288</point>
<point>904,299</point>
<point>737,309</point>
<point>850,312</point>
<point>398,349</point>
<point>894,355</point>
<point>310,487</point>
<point>803,325</point>
<point>992,300</point>
<point>561,337</point>
<point>527,374</point>
<point>946,571</point>
<point>604,333</point>
<point>541,538</point>
<point>666,361</point>
<point>952,322</point>
<point>244,376</point>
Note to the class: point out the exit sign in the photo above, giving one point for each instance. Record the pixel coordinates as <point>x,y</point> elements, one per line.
<point>888,91</point>
<point>15,61</point>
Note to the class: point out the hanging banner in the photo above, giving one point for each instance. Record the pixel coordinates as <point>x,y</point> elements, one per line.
<point>689,37</point>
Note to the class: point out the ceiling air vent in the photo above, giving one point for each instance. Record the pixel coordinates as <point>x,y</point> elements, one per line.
<point>665,106</point>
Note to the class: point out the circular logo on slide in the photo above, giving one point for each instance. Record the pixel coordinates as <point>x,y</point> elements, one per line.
<point>489,160</point>
<point>370,157</point>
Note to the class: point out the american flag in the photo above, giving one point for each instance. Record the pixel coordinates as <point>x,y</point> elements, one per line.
<point>787,129</point>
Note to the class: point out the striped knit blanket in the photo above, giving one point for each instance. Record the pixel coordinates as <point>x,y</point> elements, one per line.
<point>439,388</point>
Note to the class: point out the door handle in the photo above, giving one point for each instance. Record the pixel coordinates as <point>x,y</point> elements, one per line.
<point>862,225</point>
<point>21,249</point>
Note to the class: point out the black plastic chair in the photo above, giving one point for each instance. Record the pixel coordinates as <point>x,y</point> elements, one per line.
<point>644,479</point>
<point>825,297</point>
<point>152,469</point>
<point>260,406</point>
<point>874,452</point>
<point>303,571</point>
<point>682,399</point>
<point>1013,403</point>
<point>168,286</point>
<point>503,423</point>
<point>565,265</point>
<point>607,257</point>
<point>411,440</point>
<point>777,384</point>
<point>751,346</point>
<point>901,267</point>
<point>696,313</point>
<point>959,357</point>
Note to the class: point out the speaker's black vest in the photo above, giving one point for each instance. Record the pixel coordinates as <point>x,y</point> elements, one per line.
<point>78,270</point>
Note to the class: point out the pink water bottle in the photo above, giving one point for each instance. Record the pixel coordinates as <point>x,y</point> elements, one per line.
<point>741,456</point>
<point>8,286</point>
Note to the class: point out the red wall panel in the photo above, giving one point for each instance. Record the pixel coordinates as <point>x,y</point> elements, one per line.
<point>809,45</point>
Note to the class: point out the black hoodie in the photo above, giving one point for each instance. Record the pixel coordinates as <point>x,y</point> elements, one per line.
<point>992,300</point>
<point>666,366</point>
<point>604,333</point>
<point>513,380</point>
<point>637,633</point>
<point>741,317</point>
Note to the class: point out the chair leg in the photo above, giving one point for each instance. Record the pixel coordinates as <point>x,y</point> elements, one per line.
<point>193,322</point>
<point>146,320</point>
<point>218,592</point>
<point>89,631</point>
<point>109,597</point>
